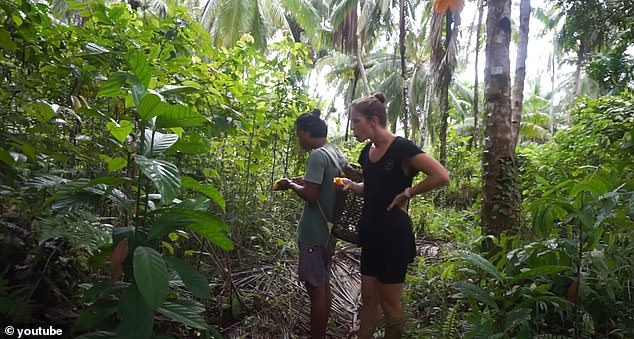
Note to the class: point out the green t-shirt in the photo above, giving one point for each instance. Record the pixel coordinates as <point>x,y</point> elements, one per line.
<point>319,170</point>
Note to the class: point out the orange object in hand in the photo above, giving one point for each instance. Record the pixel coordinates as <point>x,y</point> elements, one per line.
<point>276,185</point>
<point>338,181</point>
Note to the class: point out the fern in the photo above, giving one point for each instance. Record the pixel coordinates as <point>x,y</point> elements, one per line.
<point>450,326</point>
<point>587,323</point>
<point>80,228</point>
<point>13,308</point>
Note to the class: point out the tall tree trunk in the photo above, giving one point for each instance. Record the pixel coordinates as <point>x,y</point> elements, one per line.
<point>520,70</point>
<point>551,109</point>
<point>500,190</point>
<point>443,103</point>
<point>404,89</point>
<point>352,93</point>
<point>361,66</point>
<point>475,140</point>
<point>443,100</point>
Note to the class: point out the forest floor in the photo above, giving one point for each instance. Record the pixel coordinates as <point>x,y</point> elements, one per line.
<point>279,305</point>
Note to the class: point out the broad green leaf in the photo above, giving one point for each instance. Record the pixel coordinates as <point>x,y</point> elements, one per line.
<point>120,130</point>
<point>117,164</point>
<point>186,312</point>
<point>166,223</point>
<point>6,157</point>
<point>199,217</point>
<point>149,106</point>
<point>197,204</point>
<point>219,238</point>
<point>193,280</point>
<point>539,271</point>
<point>137,317</point>
<point>160,142</point>
<point>150,274</point>
<point>471,291</point>
<point>191,143</point>
<point>482,263</point>
<point>41,111</point>
<point>102,287</point>
<point>108,181</point>
<point>91,317</point>
<point>138,89</point>
<point>169,247</point>
<point>517,316</point>
<point>93,48</point>
<point>208,190</point>
<point>140,68</point>
<point>6,42</point>
<point>163,174</point>
<point>179,116</point>
<point>177,89</point>
<point>27,148</point>
<point>206,225</point>
<point>113,86</point>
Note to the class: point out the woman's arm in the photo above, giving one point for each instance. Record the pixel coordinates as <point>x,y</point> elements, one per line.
<point>437,176</point>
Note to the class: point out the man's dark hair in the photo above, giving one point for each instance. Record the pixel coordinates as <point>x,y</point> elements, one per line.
<point>311,123</point>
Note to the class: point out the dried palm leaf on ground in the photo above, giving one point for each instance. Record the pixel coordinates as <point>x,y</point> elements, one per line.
<point>278,305</point>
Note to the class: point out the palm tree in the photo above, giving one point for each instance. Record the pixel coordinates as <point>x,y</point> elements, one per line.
<point>344,75</point>
<point>443,58</point>
<point>520,70</point>
<point>535,123</point>
<point>551,19</point>
<point>475,139</point>
<point>227,20</point>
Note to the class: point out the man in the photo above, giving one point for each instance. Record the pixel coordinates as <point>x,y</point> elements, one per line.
<point>316,245</point>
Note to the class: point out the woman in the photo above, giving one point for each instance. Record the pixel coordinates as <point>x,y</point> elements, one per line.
<point>385,231</point>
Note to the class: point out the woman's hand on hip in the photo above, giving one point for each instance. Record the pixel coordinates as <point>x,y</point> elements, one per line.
<point>399,201</point>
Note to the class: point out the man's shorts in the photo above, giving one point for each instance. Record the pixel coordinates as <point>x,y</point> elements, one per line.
<point>314,264</point>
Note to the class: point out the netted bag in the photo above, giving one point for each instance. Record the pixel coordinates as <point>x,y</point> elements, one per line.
<point>348,207</point>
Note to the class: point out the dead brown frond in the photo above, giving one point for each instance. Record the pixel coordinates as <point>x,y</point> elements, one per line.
<point>277,304</point>
<point>454,6</point>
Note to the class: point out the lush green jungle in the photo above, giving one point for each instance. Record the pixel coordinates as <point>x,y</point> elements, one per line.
<point>140,140</point>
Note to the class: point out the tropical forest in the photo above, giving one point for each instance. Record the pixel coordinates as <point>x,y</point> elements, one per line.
<point>140,141</point>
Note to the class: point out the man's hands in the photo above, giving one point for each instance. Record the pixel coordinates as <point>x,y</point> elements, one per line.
<point>286,183</point>
<point>282,184</point>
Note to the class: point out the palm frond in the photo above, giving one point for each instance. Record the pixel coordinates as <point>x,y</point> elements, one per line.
<point>537,118</point>
<point>305,15</point>
<point>384,68</point>
<point>272,12</point>
<point>209,14</point>
<point>345,21</point>
<point>530,131</point>
<point>259,27</point>
<point>465,128</point>
<point>234,18</point>
<point>341,66</point>
<point>391,87</point>
<point>81,229</point>
<point>156,7</point>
